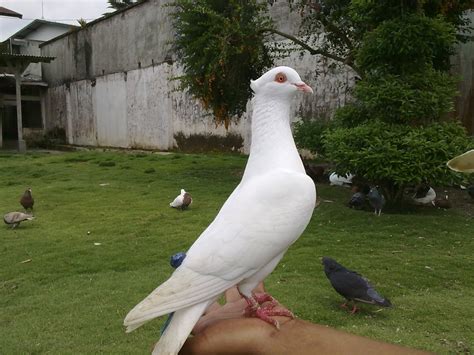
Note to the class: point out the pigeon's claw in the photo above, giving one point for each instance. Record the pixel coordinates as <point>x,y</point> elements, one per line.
<point>261,298</point>
<point>264,307</point>
<point>354,309</point>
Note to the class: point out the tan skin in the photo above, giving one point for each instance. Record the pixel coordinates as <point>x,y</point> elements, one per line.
<point>225,330</point>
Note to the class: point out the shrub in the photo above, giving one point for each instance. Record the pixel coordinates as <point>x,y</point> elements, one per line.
<point>394,156</point>
<point>309,133</point>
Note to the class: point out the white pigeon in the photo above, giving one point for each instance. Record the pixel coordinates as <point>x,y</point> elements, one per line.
<point>338,180</point>
<point>427,199</point>
<point>182,201</point>
<point>263,216</point>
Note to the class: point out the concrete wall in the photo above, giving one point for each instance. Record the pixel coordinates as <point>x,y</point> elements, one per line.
<point>111,83</point>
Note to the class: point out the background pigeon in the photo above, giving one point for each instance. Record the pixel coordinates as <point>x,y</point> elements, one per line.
<point>265,214</point>
<point>27,200</point>
<point>15,218</point>
<point>470,190</point>
<point>424,195</point>
<point>182,201</point>
<point>352,286</point>
<point>357,201</point>
<point>338,180</point>
<point>376,200</point>
<point>442,202</point>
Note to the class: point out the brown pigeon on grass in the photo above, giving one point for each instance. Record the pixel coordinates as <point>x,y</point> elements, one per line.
<point>27,200</point>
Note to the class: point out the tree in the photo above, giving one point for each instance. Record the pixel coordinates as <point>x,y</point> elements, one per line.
<point>399,49</point>
<point>221,47</point>
<point>396,133</point>
<point>120,4</point>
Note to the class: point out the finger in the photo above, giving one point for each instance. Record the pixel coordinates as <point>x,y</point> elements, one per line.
<point>232,295</point>
<point>212,308</point>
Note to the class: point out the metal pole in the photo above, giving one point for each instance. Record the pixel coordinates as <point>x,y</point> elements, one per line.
<point>21,142</point>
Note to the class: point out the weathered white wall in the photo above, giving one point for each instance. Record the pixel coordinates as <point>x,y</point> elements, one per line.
<point>111,83</point>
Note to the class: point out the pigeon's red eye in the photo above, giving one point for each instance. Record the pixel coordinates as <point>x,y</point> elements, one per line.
<point>280,78</point>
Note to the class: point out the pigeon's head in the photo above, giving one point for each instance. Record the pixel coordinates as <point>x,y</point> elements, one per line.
<point>183,192</point>
<point>330,265</point>
<point>280,81</point>
<point>374,192</point>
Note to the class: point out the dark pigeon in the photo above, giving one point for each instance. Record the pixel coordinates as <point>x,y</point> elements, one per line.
<point>357,201</point>
<point>352,286</point>
<point>27,200</point>
<point>470,191</point>
<point>376,200</point>
<point>421,191</point>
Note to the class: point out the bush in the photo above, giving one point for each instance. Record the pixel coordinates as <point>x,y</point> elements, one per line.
<point>309,133</point>
<point>395,156</point>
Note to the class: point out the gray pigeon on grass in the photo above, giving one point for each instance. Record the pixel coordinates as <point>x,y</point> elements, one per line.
<point>352,286</point>
<point>15,218</point>
<point>376,200</point>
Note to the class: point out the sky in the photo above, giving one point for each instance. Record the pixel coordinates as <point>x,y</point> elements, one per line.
<point>65,11</point>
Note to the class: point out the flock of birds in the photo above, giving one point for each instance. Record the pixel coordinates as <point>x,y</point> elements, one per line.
<point>261,219</point>
<point>365,196</point>
<point>14,219</point>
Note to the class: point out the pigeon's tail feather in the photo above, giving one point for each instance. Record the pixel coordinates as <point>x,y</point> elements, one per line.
<point>183,289</point>
<point>375,296</point>
<point>386,303</point>
<point>179,328</point>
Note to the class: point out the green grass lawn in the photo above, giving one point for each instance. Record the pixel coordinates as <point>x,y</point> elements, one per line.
<point>73,295</point>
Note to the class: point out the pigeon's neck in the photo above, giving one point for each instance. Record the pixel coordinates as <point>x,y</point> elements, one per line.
<point>272,146</point>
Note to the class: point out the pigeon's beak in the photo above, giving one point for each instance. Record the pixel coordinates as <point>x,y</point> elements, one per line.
<point>304,87</point>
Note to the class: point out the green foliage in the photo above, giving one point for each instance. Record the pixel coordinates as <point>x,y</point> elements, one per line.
<point>415,98</point>
<point>120,4</point>
<point>308,134</point>
<point>394,155</point>
<point>221,46</point>
<point>407,44</point>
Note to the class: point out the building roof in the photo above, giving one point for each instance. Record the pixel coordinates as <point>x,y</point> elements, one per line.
<point>34,25</point>
<point>7,12</point>
<point>100,19</point>
<point>9,63</point>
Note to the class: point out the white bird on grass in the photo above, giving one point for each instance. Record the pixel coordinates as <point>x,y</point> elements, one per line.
<point>182,201</point>
<point>265,214</point>
<point>340,180</point>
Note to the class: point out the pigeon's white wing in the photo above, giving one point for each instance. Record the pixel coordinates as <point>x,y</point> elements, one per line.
<point>259,221</point>
<point>178,201</point>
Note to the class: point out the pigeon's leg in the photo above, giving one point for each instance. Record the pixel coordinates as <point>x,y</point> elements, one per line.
<point>354,309</point>
<point>264,297</point>
<point>265,312</point>
<point>14,225</point>
<point>344,305</point>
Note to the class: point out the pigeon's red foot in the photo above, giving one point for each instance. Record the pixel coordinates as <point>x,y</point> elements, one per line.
<point>354,309</point>
<point>265,307</point>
